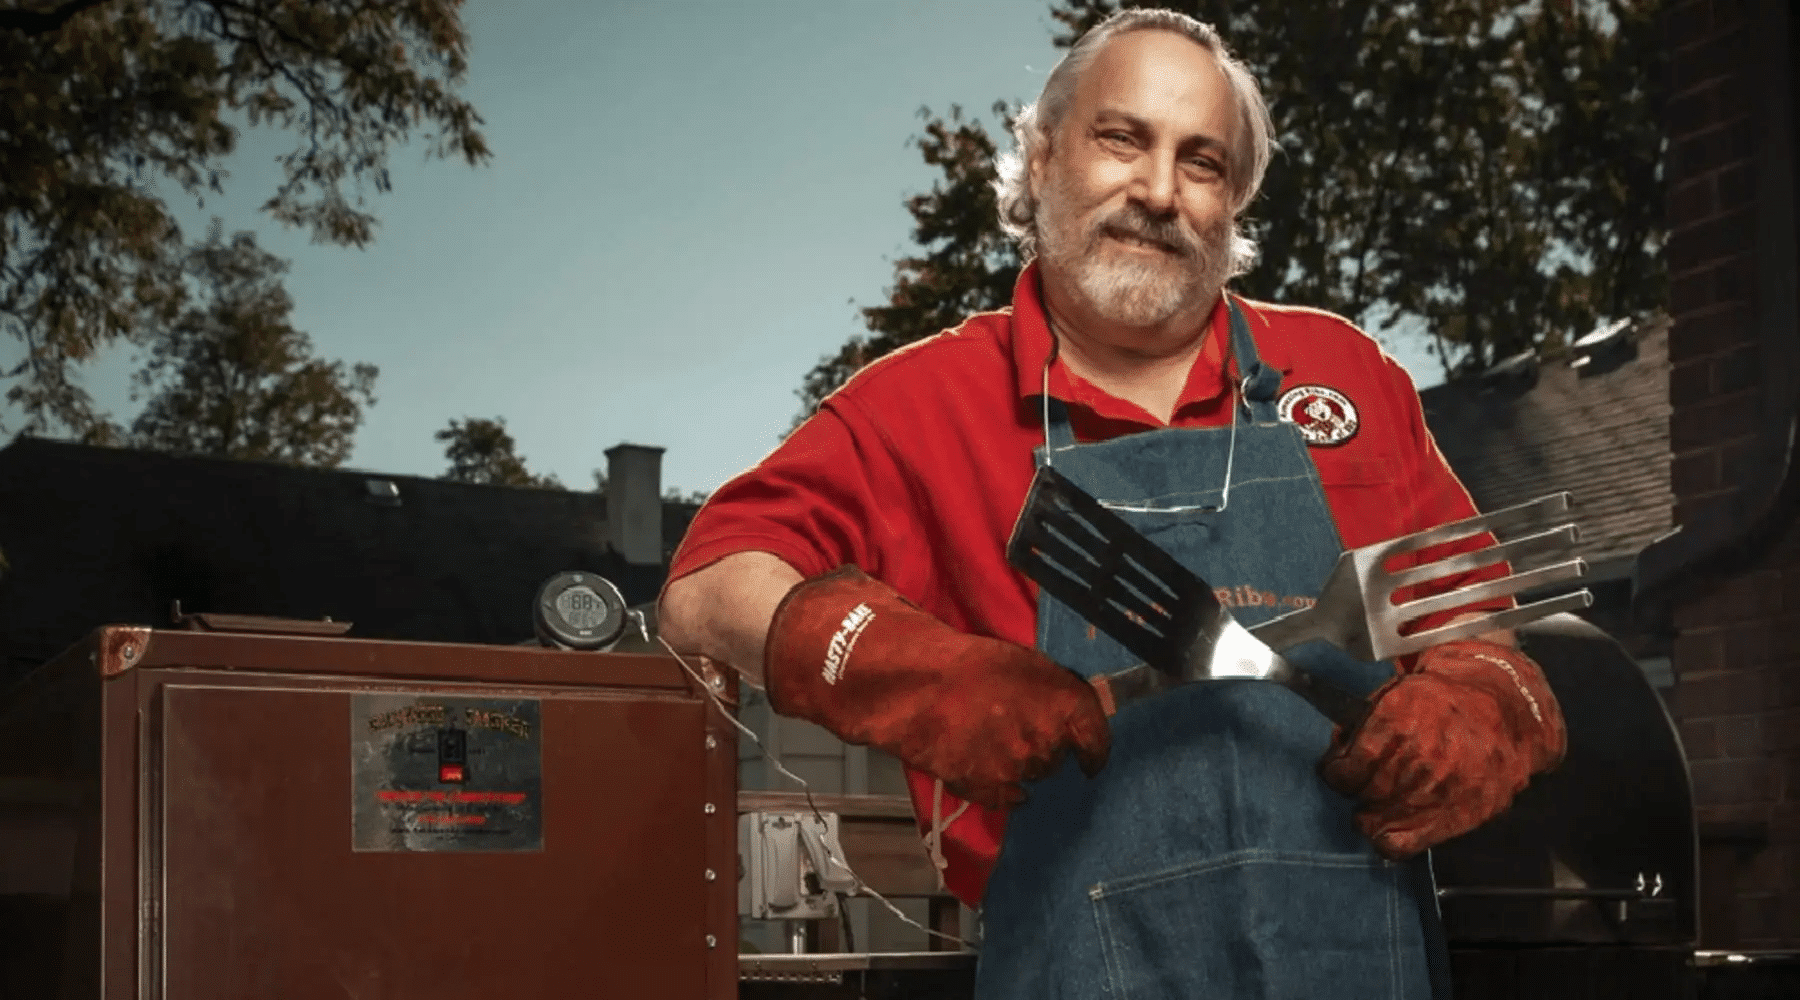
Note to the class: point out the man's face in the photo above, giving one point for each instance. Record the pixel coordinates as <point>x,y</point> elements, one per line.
<point>1134,205</point>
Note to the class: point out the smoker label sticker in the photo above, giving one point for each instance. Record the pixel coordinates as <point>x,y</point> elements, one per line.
<point>433,773</point>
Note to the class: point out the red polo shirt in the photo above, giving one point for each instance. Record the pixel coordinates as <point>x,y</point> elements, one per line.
<point>917,467</point>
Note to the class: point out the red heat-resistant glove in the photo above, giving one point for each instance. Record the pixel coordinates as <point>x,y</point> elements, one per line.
<point>1447,745</point>
<point>983,715</point>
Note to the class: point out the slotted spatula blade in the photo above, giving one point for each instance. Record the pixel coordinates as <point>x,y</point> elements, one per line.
<point>1093,561</point>
<point>1117,579</point>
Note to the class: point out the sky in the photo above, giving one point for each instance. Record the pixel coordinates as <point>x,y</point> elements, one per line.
<point>687,202</point>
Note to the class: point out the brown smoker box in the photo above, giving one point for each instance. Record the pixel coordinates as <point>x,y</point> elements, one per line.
<point>182,802</point>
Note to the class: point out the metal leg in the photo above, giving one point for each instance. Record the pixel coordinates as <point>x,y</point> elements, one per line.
<point>1437,949</point>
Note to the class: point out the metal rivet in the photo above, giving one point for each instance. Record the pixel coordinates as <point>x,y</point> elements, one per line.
<point>711,941</point>
<point>710,875</point>
<point>130,652</point>
<point>710,809</point>
<point>711,743</point>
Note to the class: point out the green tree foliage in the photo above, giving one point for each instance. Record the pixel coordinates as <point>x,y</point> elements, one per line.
<point>1487,169</point>
<point>967,265</point>
<point>231,377</point>
<point>481,451</point>
<point>1491,168</point>
<point>100,98</point>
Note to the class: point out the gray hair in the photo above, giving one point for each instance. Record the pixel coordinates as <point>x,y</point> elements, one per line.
<point>1036,123</point>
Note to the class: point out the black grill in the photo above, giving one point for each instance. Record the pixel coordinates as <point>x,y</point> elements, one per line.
<point>1601,851</point>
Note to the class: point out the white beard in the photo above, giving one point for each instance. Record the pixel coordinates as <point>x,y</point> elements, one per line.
<point>1126,287</point>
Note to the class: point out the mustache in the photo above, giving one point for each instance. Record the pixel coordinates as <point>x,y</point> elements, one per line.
<point>1134,221</point>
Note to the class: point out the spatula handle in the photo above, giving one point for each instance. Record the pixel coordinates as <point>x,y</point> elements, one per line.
<point>1116,690</point>
<point>1340,706</point>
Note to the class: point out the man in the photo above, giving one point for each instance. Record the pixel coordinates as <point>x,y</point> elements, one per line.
<point>1187,847</point>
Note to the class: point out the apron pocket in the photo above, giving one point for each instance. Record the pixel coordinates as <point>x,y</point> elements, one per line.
<point>1256,924</point>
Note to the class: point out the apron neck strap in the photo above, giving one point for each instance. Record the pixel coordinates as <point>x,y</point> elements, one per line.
<point>1258,382</point>
<point>1256,386</point>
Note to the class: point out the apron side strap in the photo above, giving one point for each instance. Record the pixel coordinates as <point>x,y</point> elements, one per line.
<point>934,840</point>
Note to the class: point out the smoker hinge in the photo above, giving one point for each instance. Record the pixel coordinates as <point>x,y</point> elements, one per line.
<point>210,621</point>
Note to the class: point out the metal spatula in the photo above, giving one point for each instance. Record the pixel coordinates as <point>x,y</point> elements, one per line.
<point>1092,560</point>
<point>1356,610</point>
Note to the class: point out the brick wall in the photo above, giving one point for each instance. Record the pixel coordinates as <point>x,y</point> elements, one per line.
<point>1737,698</point>
<point>1737,653</point>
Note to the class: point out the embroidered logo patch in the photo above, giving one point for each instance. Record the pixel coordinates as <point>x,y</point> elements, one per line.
<point>1324,416</point>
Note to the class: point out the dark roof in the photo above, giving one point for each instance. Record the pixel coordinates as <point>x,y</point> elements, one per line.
<point>103,535</point>
<point>1603,436</point>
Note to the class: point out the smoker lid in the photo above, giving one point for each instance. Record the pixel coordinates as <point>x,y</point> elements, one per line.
<point>1565,863</point>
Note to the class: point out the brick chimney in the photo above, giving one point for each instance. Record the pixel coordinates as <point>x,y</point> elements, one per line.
<point>634,502</point>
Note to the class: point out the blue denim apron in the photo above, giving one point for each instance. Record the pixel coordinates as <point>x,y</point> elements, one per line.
<point>1208,859</point>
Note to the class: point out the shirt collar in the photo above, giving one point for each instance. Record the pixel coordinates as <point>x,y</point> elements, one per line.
<point>1031,341</point>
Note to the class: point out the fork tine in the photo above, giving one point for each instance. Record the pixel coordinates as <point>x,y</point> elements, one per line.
<point>1402,645</point>
<point>1502,587</point>
<point>1554,540</point>
<point>1524,515</point>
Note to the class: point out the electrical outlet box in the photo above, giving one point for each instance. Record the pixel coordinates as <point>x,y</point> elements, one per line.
<point>793,866</point>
